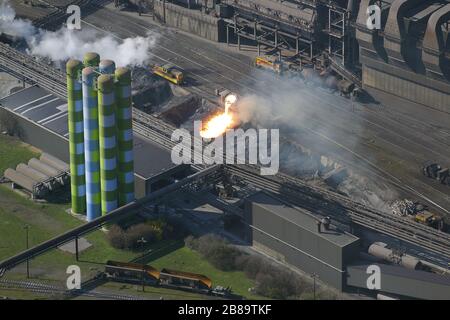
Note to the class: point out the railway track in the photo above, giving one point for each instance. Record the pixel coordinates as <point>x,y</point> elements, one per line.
<point>298,193</point>
<point>247,82</point>
<point>160,132</point>
<point>47,289</point>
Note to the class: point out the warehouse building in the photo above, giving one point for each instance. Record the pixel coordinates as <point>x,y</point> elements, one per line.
<point>292,235</point>
<point>41,120</point>
<point>409,55</point>
<point>401,281</point>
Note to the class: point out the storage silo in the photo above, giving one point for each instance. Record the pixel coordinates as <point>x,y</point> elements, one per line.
<point>107,67</point>
<point>27,183</point>
<point>91,59</point>
<point>31,172</point>
<point>108,142</point>
<point>76,136</point>
<point>124,136</point>
<point>43,167</point>
<point>35,175</point>
<point>54,162</point>
<point>91,144</point>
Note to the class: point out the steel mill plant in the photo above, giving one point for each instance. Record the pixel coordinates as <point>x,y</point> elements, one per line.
<point>222,150</point>
<point>100,135</point>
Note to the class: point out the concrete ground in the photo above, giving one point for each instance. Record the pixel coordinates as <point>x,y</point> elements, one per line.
<point>70,247</point>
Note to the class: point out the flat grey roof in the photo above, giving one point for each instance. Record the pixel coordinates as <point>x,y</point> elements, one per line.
<point>149,158</point>
<point>40,106</point>
<point>403,272</point>
<point>301,217</point>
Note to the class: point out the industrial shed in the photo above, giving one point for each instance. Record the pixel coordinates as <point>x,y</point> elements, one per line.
<point>291,235</point>
<point>401,281</point>
<point>42,122</point>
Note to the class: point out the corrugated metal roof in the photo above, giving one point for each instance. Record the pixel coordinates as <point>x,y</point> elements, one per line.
<point>46,109</point>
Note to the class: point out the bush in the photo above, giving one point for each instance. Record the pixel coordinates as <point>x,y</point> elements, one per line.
<point>272,281</point>
<point>116,237</point>
<point>223,257</point>
<point>191,242</point>
<point>135,233</point>
<point>215,250</point>
<point>121,237</point>
<point>283,285</point>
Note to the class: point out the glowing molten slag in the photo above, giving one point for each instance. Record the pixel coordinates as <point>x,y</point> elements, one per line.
<point>217,125</point>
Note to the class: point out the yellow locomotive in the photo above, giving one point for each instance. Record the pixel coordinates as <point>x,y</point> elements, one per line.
<point>169,72</point>
<point>269,63</point>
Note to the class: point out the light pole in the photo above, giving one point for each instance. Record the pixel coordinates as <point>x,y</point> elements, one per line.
<point>314,285</point>
<point>27,227</point>
<point>142,241</point>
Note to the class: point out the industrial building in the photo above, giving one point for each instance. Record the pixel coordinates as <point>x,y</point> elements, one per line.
<point>409,56</point>
<point>42,122</point>
<point>297,237</point>
<point>293,235</point>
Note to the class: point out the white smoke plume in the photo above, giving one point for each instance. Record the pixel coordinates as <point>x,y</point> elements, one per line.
<point>64,44</point>
<point>16,28</point>
<point>291,106</point>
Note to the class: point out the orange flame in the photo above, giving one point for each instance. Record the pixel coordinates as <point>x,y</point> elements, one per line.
<point>217,125</point>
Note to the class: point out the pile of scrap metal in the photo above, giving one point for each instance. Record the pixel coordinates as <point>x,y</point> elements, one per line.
<point>403,208</point>
<point>417,212</point>
<point>436,171</point>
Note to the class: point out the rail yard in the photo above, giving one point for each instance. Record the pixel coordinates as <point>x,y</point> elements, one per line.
<point>363,166</point>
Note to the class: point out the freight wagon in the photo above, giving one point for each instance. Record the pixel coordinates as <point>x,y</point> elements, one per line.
<point>179,280</point>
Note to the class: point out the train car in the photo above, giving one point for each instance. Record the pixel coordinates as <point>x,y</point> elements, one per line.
<point>131,272</point>
<point>269,63</point>
<point>184,279</point>
<point>138,273</point>
<point>170,73</point>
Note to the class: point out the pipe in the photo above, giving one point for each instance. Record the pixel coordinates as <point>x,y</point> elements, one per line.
<point>91,144</point>
<point>76,136</point>
<point>91,59</point>
<point>107,67</point>
<point>124,136</point>
<point>108,143</point>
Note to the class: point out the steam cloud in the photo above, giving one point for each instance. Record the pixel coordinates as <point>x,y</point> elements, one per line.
<point>292,107</point>
<point>64,44</point>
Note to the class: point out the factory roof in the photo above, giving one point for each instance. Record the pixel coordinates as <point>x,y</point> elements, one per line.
<point>301,217</point>
<point>149,158</point>
<point>41,107</point>
<point>403,272</point>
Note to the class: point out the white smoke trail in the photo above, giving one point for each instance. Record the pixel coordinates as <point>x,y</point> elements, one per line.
<point>64,44</point>
<point>16,28</point>
<point>299,110</point>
